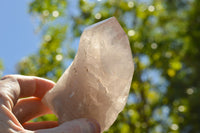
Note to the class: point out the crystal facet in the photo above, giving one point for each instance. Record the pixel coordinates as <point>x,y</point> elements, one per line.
<point>97,83</point>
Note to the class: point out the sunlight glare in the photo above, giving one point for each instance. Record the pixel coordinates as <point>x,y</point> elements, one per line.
<point>181,108</point>
<point>131,32</point>
<point>47,38</point>
<point>45,13</point>
<point>190,91</point>
<point>174,127</point>
<point>154,46</point>
<point>55,14</point>
<point>59,57</point>
<point>131,4</point>
<point>151,8</point>
<point>98,16</point>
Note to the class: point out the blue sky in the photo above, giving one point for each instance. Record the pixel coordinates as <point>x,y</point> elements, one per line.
<point>17,37</point>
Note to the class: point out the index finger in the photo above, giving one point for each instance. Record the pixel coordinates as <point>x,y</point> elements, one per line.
<point>31,85</point>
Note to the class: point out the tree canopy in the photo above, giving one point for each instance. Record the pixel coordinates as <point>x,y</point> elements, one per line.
<point>1,67</point>
<point>164,37</point>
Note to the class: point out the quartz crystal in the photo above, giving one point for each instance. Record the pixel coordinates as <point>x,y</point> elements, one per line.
<point>97,83</point>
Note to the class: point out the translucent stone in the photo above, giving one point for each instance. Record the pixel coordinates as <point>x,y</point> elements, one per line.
<point>97,83</point>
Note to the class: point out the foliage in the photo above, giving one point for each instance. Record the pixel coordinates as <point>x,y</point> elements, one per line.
<point>164,38</point>
<point>1,67</point>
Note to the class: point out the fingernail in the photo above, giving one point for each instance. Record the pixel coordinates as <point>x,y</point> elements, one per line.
<point>94,126</point>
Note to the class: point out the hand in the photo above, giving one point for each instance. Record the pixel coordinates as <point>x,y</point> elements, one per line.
<point>15,112</point>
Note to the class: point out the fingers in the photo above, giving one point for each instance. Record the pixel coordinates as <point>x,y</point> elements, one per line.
<point>29,108</point>
<point>8,120</point>
<point>9,92</point>
<point>75,126</point>
<point>40,125</point>
<point>14,86</point>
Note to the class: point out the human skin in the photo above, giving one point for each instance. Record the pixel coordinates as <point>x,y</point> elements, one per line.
<point>15,112</point>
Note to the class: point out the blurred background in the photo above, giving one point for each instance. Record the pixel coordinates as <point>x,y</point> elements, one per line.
<point>41,38</point>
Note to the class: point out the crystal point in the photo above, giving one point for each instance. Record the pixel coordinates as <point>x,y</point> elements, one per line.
<point>97,83</point>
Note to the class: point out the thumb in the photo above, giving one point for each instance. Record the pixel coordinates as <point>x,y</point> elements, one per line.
<point>75,126</point>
